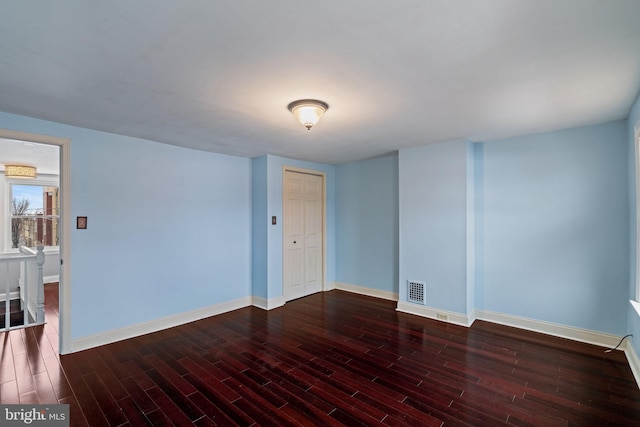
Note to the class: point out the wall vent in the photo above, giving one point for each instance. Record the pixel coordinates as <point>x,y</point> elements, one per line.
<point>415,291</point>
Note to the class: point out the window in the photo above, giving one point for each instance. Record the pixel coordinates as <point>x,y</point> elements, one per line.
<point>34,213</point>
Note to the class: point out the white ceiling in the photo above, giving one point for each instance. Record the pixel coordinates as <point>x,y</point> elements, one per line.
<point>218,75</point>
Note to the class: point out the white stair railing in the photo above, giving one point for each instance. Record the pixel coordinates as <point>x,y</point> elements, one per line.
<point>30,285</point>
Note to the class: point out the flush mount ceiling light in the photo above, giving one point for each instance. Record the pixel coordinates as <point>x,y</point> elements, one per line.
<point>19,171</point>
<point>308,111</point>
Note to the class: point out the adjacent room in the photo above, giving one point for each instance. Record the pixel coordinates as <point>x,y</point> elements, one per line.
<point>321,213</point>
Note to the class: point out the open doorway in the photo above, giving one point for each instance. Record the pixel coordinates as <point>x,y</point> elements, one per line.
<point>43,214</point>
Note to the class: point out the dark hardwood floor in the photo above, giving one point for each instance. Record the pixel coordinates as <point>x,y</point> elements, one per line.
<point>328,359</point>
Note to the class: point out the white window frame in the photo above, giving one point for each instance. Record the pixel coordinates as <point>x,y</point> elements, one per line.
<point>43,180</point>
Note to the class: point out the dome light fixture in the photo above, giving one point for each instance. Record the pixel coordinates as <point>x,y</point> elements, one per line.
<point>308,111</point>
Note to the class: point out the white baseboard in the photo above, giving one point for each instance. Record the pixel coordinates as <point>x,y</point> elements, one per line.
<point>267,304</point>
<point>634,361</point>
<point>365,291</point>
<point>555,329</point>
<point>51,279</point>
<point>12,295</point>
<point>435,313</point>
<point>329,286</point>
<point>108,337</point>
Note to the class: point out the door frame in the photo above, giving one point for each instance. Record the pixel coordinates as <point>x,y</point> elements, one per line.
<point>323,175</point>
<point>64,328</point>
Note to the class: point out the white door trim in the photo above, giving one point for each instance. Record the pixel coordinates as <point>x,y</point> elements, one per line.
<point>323,175</point>
<point>65,218</point>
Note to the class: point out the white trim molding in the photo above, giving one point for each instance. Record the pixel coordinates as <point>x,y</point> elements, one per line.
<point>435,313</point>
<point>377,293</point>
<point>267,304</point>
<point>51,279</point>
<point>634,361</point>
<point>127,332</point>
<point>569,332</point>
<point>329,286</point>
<point>555,329</point>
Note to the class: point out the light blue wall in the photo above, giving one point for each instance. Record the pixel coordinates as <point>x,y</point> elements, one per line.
<point>433,223</point>
<point>472,266</point>
<point>478,204</point>
<point>367,223</point>
<point>261,222</point>
<point>169,229</point>
<point>633,318</point>
<point>274,202</point>
<point>556,227</point>
<point>549,231</point>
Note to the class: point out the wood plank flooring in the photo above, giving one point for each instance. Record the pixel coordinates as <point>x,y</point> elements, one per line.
<point>329,359</point>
